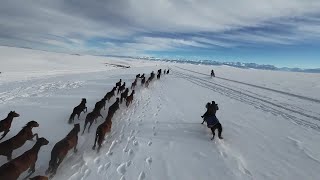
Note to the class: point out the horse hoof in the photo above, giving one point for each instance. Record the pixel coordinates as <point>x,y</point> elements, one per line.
<point>93,148</point>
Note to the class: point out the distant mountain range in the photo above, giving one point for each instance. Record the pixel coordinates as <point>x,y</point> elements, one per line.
<point>232,64</point>
<point>208,62</point>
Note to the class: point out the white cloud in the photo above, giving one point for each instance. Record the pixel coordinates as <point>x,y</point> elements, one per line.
<point>75,22</point>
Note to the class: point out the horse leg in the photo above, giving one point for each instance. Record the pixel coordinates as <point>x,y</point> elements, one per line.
<point>4,134</point>
<point>90,126</point>
<point>99,145</point>
<point>32,169</point>
<point>37,137</point>
<point>95,141</point>
<point>75,150</point>
<point>79,115</point>
<point>86,109</point>
<point>35,134</point>
<point>84,128</point>
<point>57,165</point>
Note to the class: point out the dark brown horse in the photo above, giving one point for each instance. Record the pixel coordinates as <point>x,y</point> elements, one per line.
<point>100,104</point>
<point>8,146</point>
<point>118,84</point>
<point>122,87</point>
<point>102,130</point>
<point>143,80</point>
<point>92,116</point>
<point>110,94</point>
<point>13,169</point>
<point>148,82</point>
<point>115,106</point>
<point>61,149</point>
<point>152,75</point>
<point>5,124</point>
<point>129,98</point>
<point>78,110</point>
<point>133,85</point>
<point>142,76</point>
<point>124,95</point>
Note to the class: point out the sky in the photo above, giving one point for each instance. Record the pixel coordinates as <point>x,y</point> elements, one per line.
<point>278,32</point>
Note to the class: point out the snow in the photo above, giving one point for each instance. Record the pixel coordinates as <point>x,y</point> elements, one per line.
<point>267,134</point>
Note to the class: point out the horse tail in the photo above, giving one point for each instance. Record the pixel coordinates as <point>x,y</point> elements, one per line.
<point>72,117</point>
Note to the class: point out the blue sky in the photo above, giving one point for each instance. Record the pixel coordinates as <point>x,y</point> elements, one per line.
<point>278,32</point>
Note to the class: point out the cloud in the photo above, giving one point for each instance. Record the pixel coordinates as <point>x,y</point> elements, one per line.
<point>139,26</point>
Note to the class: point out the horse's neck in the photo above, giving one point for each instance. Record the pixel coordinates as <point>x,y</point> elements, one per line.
<point>25,130</point>
<point>28,155</point>
<point>71,133</point>
<point>35,148</point>
<point>9,118</point>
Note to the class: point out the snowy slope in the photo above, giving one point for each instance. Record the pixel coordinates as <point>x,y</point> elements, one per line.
<point>268,134</point>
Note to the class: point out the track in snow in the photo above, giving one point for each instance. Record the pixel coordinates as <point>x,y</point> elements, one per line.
<point>256,86</point>
<point>313,122</point>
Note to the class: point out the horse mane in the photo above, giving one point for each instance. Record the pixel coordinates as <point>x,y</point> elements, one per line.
<point>23,129</point>
<point>72,132</point>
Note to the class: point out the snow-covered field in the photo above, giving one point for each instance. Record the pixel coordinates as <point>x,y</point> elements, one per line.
<point>271,120</point>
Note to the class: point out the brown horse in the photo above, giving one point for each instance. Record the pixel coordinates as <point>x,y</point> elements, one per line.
<point>129,98</point>
<point>12,169</point>
<point>118,84</point>
<point>102,130</point>
<point>8,146</point>
<point>110,94</point>
<point>100,104</point>
<point>133,85</point>
<point>115,106</point>
<point>152,75</point>
<point>39,178</point>
<point>92,116</point>
<point>124,95</point>
<point>61,149</point>
<point>5,124</point>
<point>78,109</point>
<point>122,87</point>
<point>148,82</point>
<point>143,80</point>
<point>142,76</point>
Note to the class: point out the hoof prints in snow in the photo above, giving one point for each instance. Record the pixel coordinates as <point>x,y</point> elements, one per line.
<point>122,169</point>
<point>149,161</point>
<point>142,176</point>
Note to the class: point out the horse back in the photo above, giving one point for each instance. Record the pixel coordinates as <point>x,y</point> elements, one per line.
<point>9,171</point>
